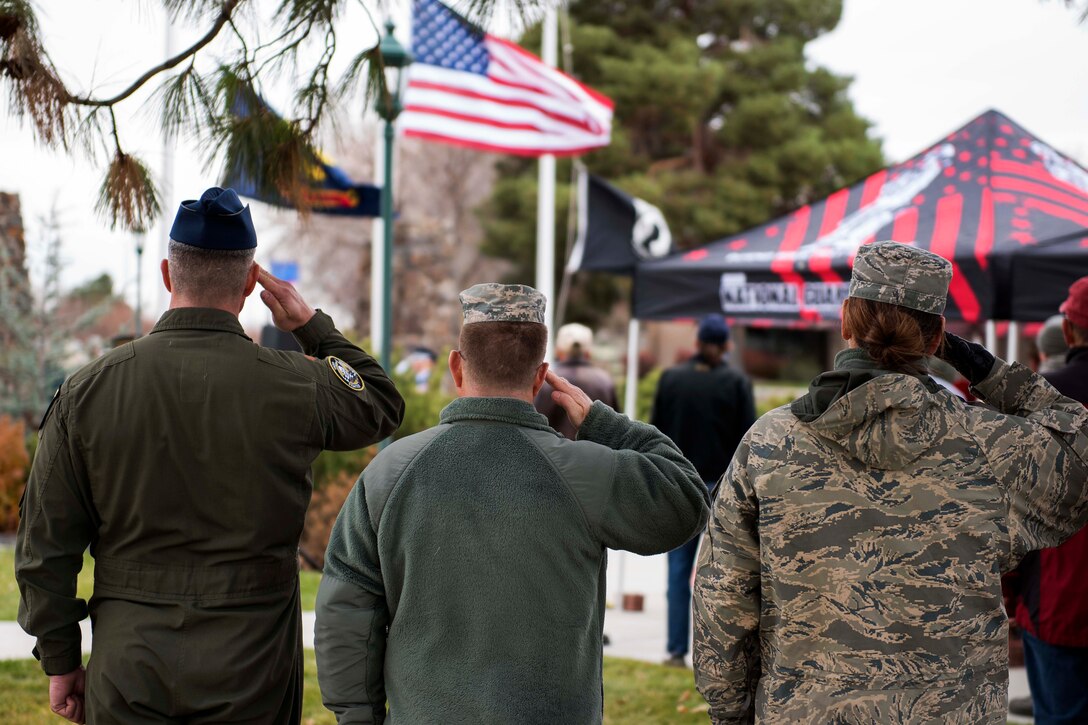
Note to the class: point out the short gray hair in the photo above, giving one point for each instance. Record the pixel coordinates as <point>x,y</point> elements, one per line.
<point>210,275</point>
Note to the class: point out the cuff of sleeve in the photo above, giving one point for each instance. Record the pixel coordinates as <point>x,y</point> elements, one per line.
<point>997,388</point>
<point>311,334</point>
<point>61,664</point>
<point>357,716</point>
<point>603,425</point>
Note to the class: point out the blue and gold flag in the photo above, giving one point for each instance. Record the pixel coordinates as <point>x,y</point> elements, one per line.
<point>328,191</point>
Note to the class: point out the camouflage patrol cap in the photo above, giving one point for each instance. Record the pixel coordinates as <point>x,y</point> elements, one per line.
<point>494,302</point>
<point>900,274</point>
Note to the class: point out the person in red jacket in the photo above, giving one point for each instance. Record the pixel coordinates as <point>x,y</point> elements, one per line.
<point>1052,584</point>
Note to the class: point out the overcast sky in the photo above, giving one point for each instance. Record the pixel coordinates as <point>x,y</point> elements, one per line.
<point>921,69</point>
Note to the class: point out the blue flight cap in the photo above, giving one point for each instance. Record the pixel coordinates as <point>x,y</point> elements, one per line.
<point>217,220</point>
<point>713,330</point>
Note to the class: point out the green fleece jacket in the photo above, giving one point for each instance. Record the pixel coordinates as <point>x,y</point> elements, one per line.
<point>465,577</point>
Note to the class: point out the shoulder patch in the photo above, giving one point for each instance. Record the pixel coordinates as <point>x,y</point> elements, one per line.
<point>345,372</point>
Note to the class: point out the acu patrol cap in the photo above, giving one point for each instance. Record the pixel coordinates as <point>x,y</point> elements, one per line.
<point>903,275</point>
<point>217,220</point>
<point>494,302</point>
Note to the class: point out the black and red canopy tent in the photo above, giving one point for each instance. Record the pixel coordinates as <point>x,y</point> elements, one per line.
<point>1006,209</point>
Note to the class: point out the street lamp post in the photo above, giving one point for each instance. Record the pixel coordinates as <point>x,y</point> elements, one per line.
<point>395,59</point>
<point>138,322</point>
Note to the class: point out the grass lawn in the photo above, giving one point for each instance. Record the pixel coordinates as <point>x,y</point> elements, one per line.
<point>9,592</point>
<point>635,693</point>
<point>308,581</point>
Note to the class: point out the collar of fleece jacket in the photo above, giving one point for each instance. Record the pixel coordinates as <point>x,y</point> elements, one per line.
<point>502,410</point>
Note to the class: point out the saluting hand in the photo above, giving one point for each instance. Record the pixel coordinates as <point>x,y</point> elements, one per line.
<point>66,695</point>
<point>570,398</point>
<point>289,310</point>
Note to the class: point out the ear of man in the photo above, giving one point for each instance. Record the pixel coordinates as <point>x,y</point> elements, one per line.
<point>538,379</point>
<point>1074,336</point>
<point>457,369</point>
<point>164,268</point>
<point>251,279</point>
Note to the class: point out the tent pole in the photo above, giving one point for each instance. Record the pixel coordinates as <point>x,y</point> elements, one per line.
<point>630,408</point>
<point>991,336</point>
<point>630,395</point>
<point>1014,340</point>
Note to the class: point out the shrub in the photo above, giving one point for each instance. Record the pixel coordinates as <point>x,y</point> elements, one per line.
<point>335,472</point>
<point>422,407</point>
<point>14,467</point>
<point>331,465</point>
<point>647,388</point>
<point>325,505</point>
<point>775,401</point>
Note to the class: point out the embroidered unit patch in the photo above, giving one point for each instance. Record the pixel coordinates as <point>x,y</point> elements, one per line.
<point>345,372</point>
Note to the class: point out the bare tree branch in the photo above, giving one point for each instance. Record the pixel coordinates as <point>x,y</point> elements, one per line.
<point>276,152</point>
<point>224,18</point>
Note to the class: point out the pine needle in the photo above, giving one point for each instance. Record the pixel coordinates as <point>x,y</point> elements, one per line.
<point>275,154</point>
<point>34,87</point>
<point>128,197</point>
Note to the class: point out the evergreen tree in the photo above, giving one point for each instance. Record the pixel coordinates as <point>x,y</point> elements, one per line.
<point>718,121</point>
<point>17,368</point>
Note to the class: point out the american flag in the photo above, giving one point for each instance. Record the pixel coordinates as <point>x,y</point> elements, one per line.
<point>472,89</point>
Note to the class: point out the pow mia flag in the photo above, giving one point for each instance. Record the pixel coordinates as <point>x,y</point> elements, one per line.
<point>615,230</point>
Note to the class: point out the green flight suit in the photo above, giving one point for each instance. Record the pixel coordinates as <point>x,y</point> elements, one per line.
<point>183,460</point>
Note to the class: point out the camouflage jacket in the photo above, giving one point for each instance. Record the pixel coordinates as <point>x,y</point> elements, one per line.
<point>851,569</point>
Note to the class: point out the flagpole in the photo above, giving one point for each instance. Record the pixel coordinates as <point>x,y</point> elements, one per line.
<point>545,208</point>
<point>575,212</point>
<point>167,193</point>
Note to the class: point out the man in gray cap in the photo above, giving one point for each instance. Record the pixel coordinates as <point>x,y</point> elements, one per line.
<point>182,460</point>
<point>465,576</point>
<point>1050,341</point>
<point>573,350</point>
<point>851,569</point>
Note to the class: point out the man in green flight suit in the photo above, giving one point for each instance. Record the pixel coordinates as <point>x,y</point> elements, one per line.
<point>465,578</point>
<point>183,460</point>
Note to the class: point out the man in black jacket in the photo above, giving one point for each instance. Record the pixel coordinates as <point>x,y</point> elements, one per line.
<point>705,407</point>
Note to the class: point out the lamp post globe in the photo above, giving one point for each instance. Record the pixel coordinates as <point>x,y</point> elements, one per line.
<point>395,58</point>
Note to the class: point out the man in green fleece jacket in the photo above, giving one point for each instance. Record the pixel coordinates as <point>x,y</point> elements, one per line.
<point>465,577</point>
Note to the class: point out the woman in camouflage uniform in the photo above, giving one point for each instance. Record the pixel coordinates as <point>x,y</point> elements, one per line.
<point>851,569</point>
